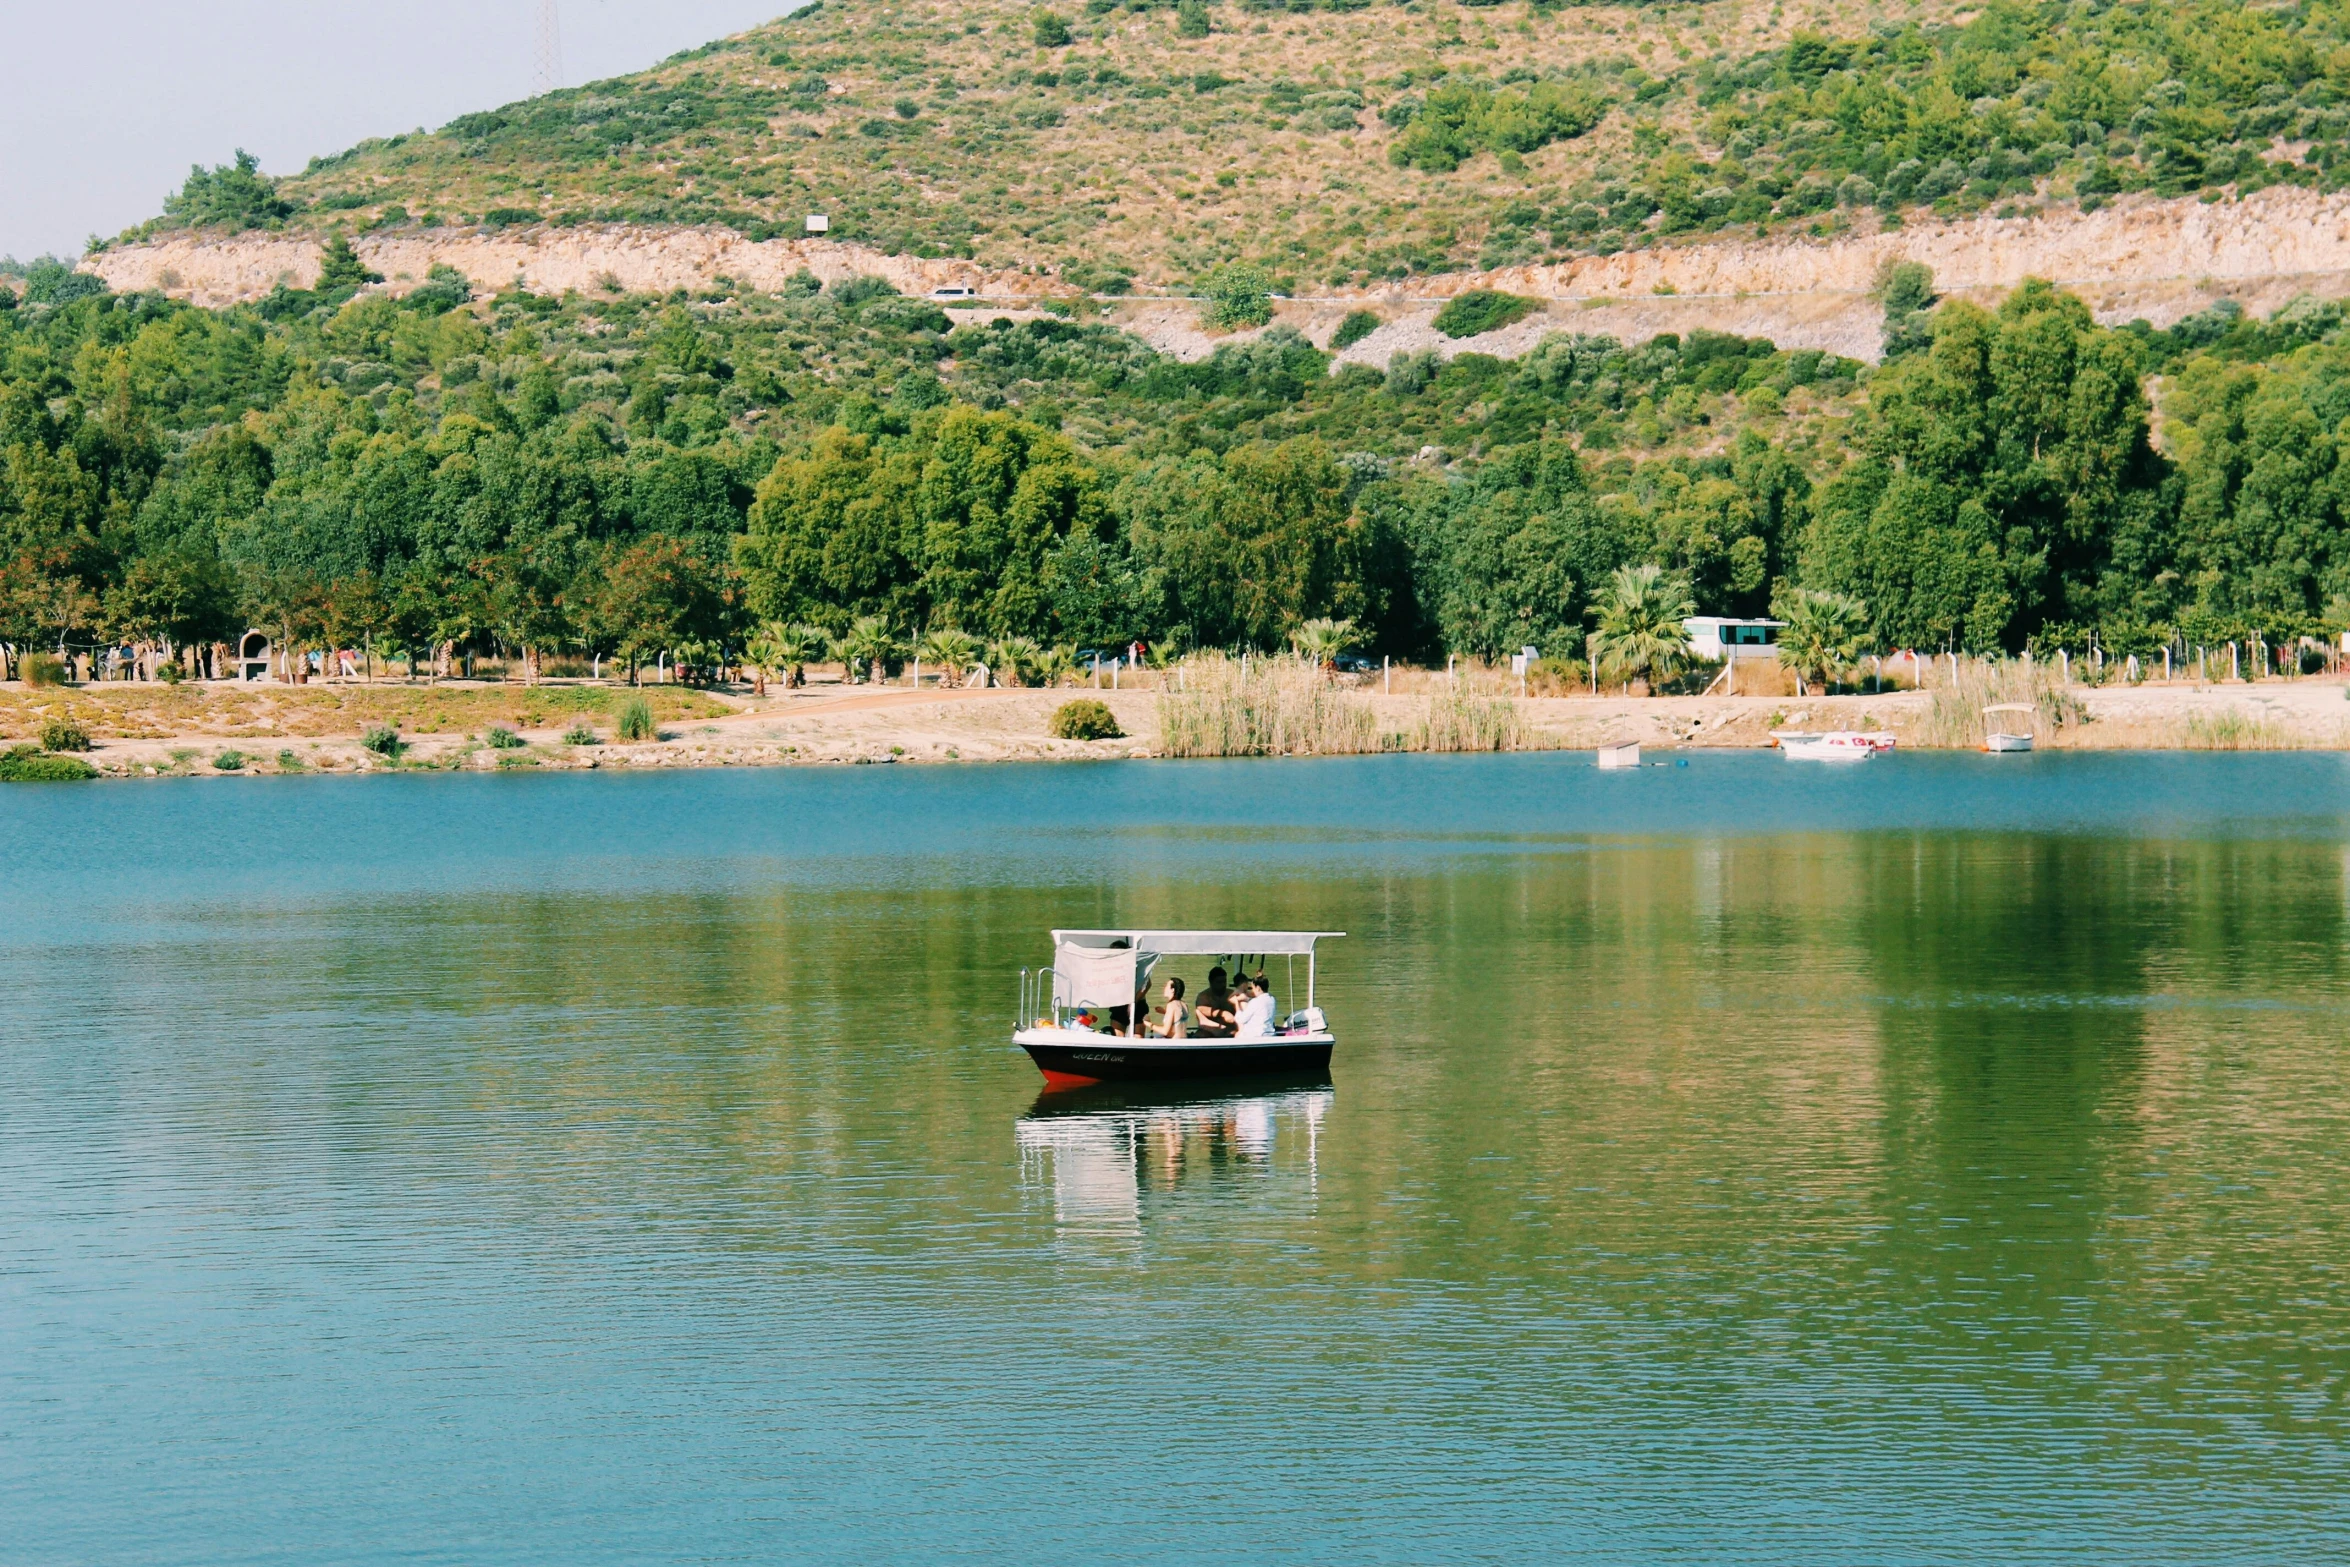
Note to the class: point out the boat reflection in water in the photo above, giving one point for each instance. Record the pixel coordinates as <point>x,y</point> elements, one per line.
<point>1111,1152</point>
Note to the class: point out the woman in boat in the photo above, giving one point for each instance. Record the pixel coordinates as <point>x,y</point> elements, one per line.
<point>1256,1009</point>
<point>1172,1027</point>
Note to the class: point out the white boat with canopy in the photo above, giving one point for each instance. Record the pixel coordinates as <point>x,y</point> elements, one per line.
<point>1999,740</point>
<point>1090,1017</point>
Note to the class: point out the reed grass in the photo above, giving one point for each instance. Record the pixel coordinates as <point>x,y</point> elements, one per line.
<point>1281,707</point>
<point>1273,707</point>
<point>1954,720</point>
<point>2233,729</point>
<point>1470,718</point>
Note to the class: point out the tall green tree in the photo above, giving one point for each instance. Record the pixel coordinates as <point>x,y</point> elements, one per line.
<point>235,195</point>
<point>2001,465</point>
<point>1248,546</point>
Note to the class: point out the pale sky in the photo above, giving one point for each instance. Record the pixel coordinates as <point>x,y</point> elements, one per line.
<point>104,104</point>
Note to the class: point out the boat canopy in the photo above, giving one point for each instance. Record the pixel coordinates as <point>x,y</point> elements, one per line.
<point>1200,943</point>
<point>1100,976</point>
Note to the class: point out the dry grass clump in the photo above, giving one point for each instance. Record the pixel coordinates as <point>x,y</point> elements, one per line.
<point>1265,707</point>
<point>148,712</point>
<point>1280,707</point>
<point>1954,719</point>
<point>1470,718</point>
<point>2233,729</point>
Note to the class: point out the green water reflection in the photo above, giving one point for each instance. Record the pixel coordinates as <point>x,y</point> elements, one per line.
<point>1895,1194</point>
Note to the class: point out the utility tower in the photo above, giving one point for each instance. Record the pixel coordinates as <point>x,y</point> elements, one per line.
<point>548,74</point>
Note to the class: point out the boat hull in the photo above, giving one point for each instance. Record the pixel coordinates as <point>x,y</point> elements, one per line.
<point>1842,745</point>
<point>1105,1058</point>
<point>2008,744</point>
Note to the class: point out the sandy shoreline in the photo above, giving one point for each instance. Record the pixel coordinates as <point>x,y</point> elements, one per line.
<point>142,731</point>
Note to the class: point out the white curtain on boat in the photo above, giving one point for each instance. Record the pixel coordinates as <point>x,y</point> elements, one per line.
<point>1100,976</point>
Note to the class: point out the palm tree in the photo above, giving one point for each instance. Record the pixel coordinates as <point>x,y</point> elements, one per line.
<point>1319,642</point>
<point>796,647</point>
<point>954,652</point>
<point>784,650</point>
<point>1054,665</point>
<point>1640,635</point>
<point>866,642</point>
<point>1014,660</point>
<point>1825,634</point>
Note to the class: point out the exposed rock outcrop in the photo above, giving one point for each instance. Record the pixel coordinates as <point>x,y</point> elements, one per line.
<point>227,270</point>
<point>2143,258</point>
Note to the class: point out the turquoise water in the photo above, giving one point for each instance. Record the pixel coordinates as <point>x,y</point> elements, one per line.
<point>1942,1160</point>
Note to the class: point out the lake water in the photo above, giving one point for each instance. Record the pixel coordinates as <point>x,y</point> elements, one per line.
<point>1946,1160</point>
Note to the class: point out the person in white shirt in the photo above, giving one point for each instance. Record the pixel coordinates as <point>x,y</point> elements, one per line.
<point>1256,1012</point>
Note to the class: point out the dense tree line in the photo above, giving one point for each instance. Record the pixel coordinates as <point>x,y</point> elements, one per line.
<point>628,476</point>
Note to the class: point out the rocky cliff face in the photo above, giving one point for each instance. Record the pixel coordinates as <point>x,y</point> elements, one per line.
<point>2153,259</point>
<point>616,258</point>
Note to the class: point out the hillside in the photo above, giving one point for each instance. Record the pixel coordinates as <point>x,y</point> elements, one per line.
<point>605,397</point>
<point>1111,148</point>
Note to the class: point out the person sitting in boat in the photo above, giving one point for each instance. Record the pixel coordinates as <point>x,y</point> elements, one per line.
<point>1256,1010</point>
<point>1172,1026</point>
<point>1212,1011</point>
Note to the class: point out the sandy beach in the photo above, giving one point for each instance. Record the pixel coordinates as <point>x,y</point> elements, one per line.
<point>191,730</point>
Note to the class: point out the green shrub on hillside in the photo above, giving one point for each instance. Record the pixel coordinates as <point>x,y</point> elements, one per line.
<point>231,196</point>
<point>63,735</point>
<point>1358,325</point>
<point>1456,122</point>
<point>1239,297</point>
<point>1482,310</point>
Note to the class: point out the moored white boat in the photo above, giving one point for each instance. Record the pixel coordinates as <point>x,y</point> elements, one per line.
<point>2002,741</point>
<point>1836,745</point>
<point>1101,974</point>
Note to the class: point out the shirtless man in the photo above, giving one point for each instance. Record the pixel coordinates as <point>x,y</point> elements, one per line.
<point>1213,1010</point>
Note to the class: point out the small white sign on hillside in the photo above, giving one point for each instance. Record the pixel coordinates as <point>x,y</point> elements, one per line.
<point>818,223</point>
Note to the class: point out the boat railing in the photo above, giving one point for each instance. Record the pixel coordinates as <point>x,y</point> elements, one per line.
<point>1037,993</point>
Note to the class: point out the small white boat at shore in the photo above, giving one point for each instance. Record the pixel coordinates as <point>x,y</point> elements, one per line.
<point>1625,755</point>
<point>1997,740</point>
<point>1836,745</point>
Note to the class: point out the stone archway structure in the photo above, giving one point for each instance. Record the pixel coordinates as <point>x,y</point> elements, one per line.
<point>254,656</point>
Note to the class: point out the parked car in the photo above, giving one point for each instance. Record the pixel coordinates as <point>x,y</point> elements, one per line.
<point>1354,664</point>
